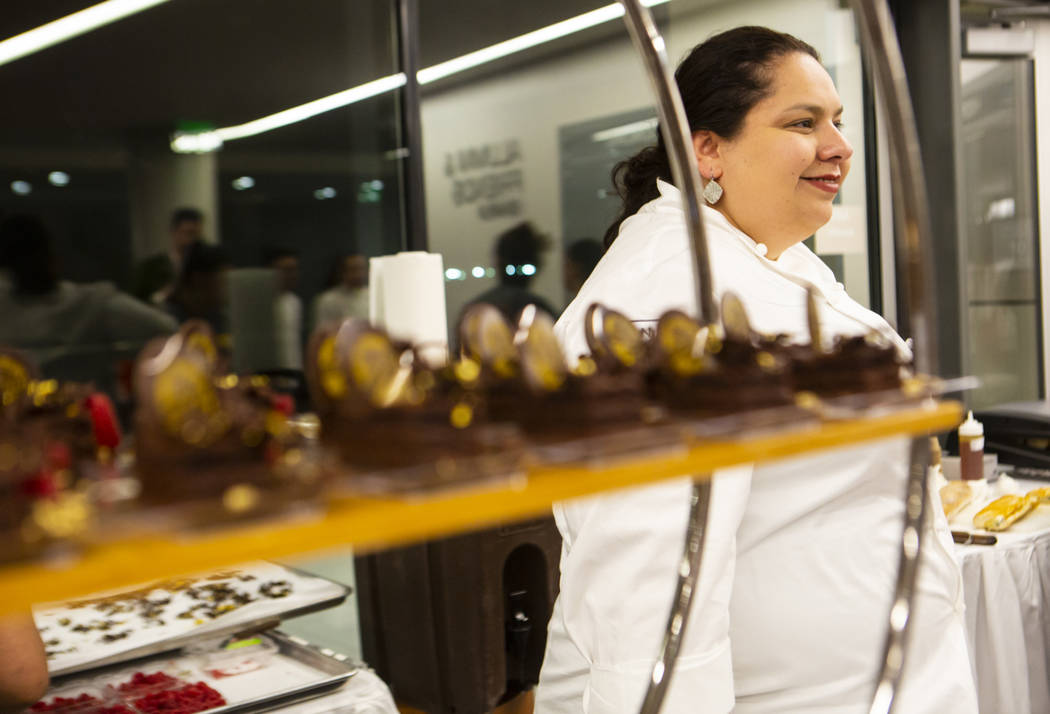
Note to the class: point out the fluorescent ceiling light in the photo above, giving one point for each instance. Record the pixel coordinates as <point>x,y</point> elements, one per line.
<point>310,109</point>
<point>635,127</point>
<point>523,42</point>
<point>70,26</point>
<point>424,76</point>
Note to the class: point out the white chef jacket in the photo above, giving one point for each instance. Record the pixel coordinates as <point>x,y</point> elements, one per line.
<point>800,556</point>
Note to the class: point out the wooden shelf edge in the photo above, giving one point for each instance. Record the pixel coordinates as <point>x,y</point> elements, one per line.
<point>375,523</point>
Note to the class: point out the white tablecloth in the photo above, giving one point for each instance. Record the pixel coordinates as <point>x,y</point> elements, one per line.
<point>1007,590</point>
<point>364,693</point>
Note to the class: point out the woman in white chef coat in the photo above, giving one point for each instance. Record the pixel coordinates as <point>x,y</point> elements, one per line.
<point>800,556</point>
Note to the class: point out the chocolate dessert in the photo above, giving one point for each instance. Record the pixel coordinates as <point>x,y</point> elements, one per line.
<point>52,436</point>
<point>382,407</point>
<point>526,378</point>
<point>200,435</point>
<point>850,365</point>
<point>710,371</point>
<point>853,365</point>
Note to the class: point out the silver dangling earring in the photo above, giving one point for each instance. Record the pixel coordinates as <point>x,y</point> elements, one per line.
<point>713,191</point>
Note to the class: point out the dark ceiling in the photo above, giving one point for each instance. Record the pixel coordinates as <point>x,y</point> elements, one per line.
<point>233,61</point>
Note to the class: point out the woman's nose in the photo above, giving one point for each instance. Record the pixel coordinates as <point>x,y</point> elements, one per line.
<point>835,146</point>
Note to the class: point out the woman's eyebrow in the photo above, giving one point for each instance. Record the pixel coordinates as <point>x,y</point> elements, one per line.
<point>812,108</point>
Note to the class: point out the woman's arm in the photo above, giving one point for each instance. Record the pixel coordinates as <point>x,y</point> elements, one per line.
<point>23,664</point>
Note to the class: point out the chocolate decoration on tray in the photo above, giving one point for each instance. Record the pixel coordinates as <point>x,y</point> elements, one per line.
<point>540,357</point>
<point>614,341</point>
<point>55,440</point>
<point>220,440</point>
<point>383,409</point>
<point>854,364</point>
<point>553,403</point>
<point>710,371</point>
<point>486,338</point>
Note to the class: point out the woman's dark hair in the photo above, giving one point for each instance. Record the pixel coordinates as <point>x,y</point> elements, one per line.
<point>720,81</point>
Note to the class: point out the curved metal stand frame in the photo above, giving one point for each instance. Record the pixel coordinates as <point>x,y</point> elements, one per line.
<point>879,40</point>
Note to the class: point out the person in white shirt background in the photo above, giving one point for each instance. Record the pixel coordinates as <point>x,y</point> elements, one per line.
<point>798,568</point>
<point>347,293</point>
<point>287,309</point>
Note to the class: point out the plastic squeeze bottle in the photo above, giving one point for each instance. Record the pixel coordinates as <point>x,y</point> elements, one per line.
<point>971,449</point>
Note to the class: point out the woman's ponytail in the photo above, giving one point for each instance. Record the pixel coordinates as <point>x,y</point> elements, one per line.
<point>635,182</point>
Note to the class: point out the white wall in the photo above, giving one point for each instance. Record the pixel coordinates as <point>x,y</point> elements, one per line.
<point>528,105</point>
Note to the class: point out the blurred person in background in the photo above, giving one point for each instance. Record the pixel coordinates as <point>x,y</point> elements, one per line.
<point>200,290</point>
<point>580,258</point>
<point>347,293</point>
<point>287,309</point>
<point>155,276</point>
<point>519,258</point>
<point>71,330</point>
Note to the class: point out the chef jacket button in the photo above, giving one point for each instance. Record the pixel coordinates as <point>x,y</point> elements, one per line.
<point>761,248</point>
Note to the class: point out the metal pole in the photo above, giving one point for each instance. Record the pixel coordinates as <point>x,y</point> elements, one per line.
<point>913,236</point>
<point>686,175</point>
<point>678,140</point>
<point>893,655</point>
<point>411,135</point>
<point>688,571</point>
<point>914,243</point>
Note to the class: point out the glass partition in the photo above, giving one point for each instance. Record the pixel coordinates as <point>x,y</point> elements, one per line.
<point>188,105</point>
<point>999,204</point>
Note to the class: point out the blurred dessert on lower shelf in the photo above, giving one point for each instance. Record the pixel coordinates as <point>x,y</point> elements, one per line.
<point>56,440</point>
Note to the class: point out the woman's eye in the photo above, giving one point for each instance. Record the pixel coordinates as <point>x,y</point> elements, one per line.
<point>839,124</point>
<point>804,123</point>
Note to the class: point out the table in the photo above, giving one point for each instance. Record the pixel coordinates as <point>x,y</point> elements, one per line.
<point>1007,592</point>
<point>364,693</point>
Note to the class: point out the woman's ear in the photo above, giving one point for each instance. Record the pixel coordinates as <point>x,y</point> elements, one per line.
<point>705,147</point>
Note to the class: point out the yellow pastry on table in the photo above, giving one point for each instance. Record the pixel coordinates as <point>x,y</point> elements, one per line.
<point>955,496</point>
<point>1003,512</point>
<point>1040,495</point>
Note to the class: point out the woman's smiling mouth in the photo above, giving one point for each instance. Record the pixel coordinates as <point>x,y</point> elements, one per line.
<point>829,183</point>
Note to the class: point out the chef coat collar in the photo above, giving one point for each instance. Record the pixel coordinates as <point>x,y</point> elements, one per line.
<point>671,192</point>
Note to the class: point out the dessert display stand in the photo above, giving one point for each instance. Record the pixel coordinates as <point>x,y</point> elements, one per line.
<point>119,557</point>
<point>878,39</point>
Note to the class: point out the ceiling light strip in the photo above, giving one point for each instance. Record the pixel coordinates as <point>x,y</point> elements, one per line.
<point>310,109</point>
<point>522,42</point>
<point>70,26</point>
<point>424,76</point>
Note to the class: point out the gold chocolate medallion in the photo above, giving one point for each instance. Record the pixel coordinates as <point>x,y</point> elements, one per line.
<point>681,338</point>
<point>15,376</point>
<point>332,379</point>
<point>198,339</point>
<point>373,364</point>
<point>611,334</point>
<point>187,403</point>
<point>486,337</point>
<point>542,362</point>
